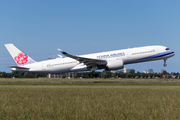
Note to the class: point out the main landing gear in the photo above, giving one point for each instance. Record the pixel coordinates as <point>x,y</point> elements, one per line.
<point>165,63</point>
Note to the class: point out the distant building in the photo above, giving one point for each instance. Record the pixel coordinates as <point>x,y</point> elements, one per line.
<point>125,70</point>
<point>162,71</point>
<point>116,71</point>
<point>150,71</point>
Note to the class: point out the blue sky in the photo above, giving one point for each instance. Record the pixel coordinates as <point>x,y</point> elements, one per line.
<point>38,28</point>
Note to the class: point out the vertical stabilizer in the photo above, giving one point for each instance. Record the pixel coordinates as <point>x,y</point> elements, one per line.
<point>19,57</point>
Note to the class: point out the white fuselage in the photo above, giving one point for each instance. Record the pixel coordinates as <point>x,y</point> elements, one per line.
<point>128,56</point>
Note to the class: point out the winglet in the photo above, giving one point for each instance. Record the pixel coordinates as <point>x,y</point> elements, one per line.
<point>63,52</point>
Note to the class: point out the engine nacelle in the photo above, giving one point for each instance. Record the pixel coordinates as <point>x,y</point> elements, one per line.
<point>115,64</point>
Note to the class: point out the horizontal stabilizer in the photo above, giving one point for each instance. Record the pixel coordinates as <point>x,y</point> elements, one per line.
<point>18,67</point>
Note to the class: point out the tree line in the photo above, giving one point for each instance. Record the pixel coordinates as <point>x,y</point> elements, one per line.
<point>104,74</point>
<point>17,74</point>
<point>109,74</point>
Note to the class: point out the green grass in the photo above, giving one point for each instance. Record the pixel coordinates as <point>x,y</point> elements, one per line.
<point>89,101</point>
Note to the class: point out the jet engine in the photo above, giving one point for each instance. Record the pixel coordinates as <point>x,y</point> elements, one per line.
<point>114,64</point>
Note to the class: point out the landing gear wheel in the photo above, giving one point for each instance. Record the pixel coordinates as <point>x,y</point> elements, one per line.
<point>164,65</point>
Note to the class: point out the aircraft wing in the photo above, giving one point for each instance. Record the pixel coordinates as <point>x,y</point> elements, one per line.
<point>87,61</point>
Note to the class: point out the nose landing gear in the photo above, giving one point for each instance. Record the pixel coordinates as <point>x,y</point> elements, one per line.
<point>165,63</point>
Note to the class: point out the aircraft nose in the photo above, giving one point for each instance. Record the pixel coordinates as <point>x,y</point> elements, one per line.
<point>173,53</point>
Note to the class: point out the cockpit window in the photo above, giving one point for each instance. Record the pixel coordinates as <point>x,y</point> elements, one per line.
<point>167,49</point>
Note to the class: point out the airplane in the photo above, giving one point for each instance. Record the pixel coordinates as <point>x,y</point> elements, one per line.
<point>111,60</point>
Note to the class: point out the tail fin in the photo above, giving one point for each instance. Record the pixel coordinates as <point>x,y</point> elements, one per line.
<point>19,57</point>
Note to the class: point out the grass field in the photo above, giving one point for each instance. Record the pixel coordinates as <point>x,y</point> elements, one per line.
<point>89,101</point>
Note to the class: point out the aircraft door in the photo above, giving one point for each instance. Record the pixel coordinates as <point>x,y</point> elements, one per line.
<point>128,53</point>
<point>43,66</point>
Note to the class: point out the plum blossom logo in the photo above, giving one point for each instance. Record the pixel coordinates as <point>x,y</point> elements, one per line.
<point>21,58</point>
